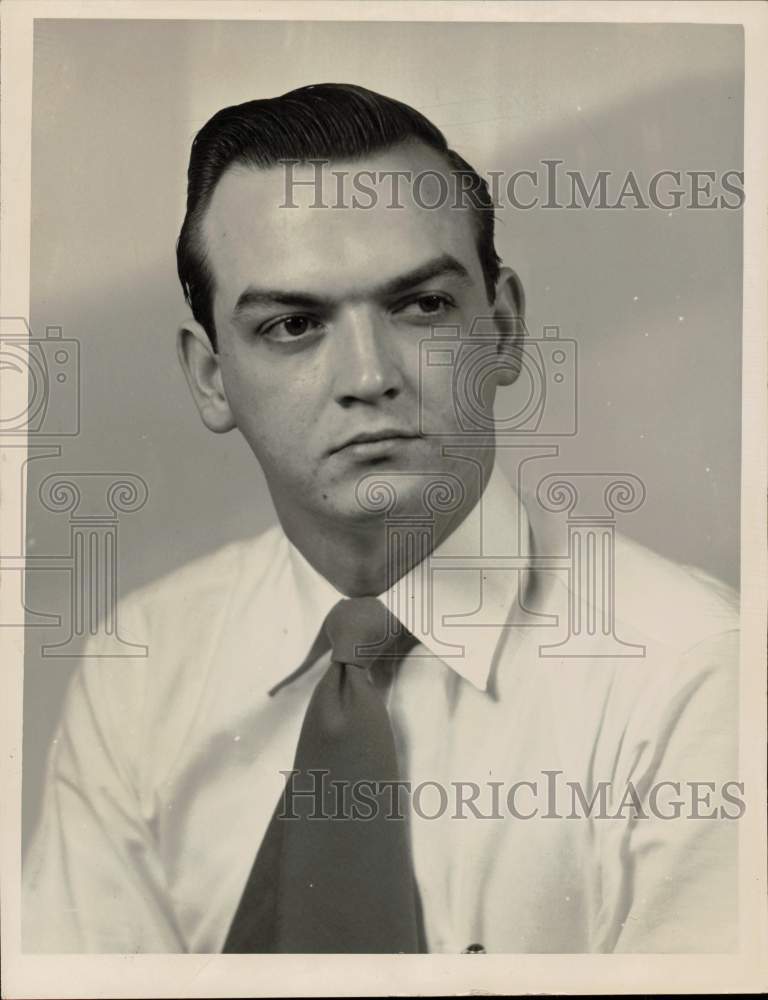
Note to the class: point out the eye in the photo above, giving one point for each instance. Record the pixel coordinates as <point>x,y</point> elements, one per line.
<point>432,303</point>
<point>426,305</point>
<point>290,328</point>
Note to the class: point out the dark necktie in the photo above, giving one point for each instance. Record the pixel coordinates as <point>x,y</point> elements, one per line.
<point>343,884</point>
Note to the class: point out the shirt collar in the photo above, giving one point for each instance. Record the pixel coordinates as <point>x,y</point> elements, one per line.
<point>457,601</point>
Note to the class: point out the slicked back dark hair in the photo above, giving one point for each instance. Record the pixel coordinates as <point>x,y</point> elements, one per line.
<point>326,121</point>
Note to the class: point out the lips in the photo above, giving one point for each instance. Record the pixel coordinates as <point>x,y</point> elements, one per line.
<point>382,436</point>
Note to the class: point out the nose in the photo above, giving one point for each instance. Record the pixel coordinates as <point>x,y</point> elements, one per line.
<point>365,361</point>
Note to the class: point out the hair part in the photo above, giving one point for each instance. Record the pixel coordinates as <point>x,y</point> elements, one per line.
<point>328,121</point>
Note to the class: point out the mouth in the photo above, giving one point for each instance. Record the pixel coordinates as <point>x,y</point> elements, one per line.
<point>375,443</point>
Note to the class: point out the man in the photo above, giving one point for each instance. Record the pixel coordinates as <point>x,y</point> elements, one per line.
<point>168,823</point>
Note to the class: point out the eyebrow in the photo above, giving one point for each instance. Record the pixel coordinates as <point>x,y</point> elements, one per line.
<point>438,267</point>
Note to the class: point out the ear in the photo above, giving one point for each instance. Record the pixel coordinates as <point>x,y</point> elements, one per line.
<point>509,316</point>
<point>202,368</point>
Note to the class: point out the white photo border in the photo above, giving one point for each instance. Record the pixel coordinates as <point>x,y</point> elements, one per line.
<point>240,975</point>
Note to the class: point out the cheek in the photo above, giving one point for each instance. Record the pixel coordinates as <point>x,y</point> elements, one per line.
<point>437,415</point>
<point>272,408</point>
<point>457,400</point>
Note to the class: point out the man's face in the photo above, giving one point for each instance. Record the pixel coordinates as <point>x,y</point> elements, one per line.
<point>320,314</point>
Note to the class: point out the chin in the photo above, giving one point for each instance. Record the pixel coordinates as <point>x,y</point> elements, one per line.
<point>387,492</point>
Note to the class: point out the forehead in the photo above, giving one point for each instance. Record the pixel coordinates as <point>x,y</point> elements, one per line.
<point>337,228</point>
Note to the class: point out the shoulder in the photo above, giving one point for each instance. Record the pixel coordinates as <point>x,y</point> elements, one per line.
<point>143,695</point>
<point>183,617</point>
<point>674,605</point>
<point>655,648</point>
<point>204,583</point>
<point>689,622</point>
<point>612,578</point>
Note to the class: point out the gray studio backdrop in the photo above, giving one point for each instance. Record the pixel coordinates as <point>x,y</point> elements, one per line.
<point>653,298</point>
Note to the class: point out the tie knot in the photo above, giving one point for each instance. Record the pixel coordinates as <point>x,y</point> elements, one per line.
<point>362,630</point>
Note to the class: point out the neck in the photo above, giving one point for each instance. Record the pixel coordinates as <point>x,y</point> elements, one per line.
<point>365,558</point>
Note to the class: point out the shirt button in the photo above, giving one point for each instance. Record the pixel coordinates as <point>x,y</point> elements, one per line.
<point>474,949</point>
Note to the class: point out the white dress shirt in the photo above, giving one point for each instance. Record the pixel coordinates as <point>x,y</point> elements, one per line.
<point>165,771</point>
